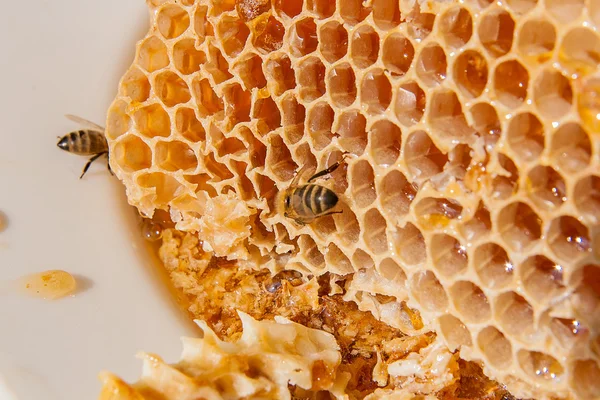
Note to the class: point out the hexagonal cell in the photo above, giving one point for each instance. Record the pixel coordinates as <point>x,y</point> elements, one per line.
<point>586,298</point>
<point>537,38</point>
<point>250,72</point>
<point>522,6</point>
<point>566,331</point>
<point>342,85</point>
<point>172,21</point>
<point>494,268</point>
<point>386,13</point>
<point>363,184</point>
<point>525,136</point>
<point>580,50</point>
<point>507,184</point>
<point>311,78</point>
<point>364,47</point>
<point>434,212</point>
<point>336,260</point>
<point>396,194</point>
<point>539,365</point>
<point>237,105</point>
<point>324,227</point>
<point>186,57</point>
<point>542,278</point>
<point>568,238</point>
<point>361,260</point>
<point>217,170</point>
<point>470,302</point>
<point>280,160</point>
<point>175,156</point>
<point>376,91</point>
<point>485,121</point>
<point>188,125</point>
<point>446,116</point>
<point>511,81</point>
<point>319,123</point>
<point>135,85</point>
<point>152,54</point>
<point>311,253</point>
<point>478,226</point>
<point>552,94</point>
<point>353,11</point>
<point>304,157</point>
<point>565,10</point>
<point>233,34</point>
<point>303,37</point>
<point>375,232</point>
<point>454,332</point>
<point>449,256</point>
<point>519,226</point>
<point>346,222</point>
<point>428,291</point>
<point>152,121</point>
<point>288,8</point>
<point>322,8</point>
<point>391,271</point>
<point>217,65</point>
<point>385,140</point>
<point>570,147</point>
<point>351,127</point>
<point>514,314</point>
<point>547,188</point>
<point>201,182</point>
<point>421,24</point>
<point>432,65</point>
<point>470,73</point>
<point>171,89</point>
<point>118,121</point>
<point>268,116</point>
<point>456,25</point>
<point>409,244</point>
<point>333,40</point>
<point>496,348</point>
<point>132,154</point>
<point>410,103</point>
<point>397,54</point>
<point>294,115</point>
<point>587,197</point>
<point>496,31</point>
<point>270,36</point>
<point>251,9</point>
<point>226,146</point>
<point>206,99</point>
<point>166,187</point>
<point>202,27</point>
<point>280,73</point>
<point>585,378</point>
<point>422,157</point>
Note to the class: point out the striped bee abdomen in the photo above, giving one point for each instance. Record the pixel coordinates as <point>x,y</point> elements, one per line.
<point>316,200</point>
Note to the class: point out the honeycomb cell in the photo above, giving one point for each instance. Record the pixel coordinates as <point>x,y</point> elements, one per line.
<point>423,158</point>
<point>202,27</point>
<point>201,182</point>
<point>519,226</point>
<point>351,127</point>
<point>537,38</point>
<point>233,34</point>
<point>396,194</point>
<point>118,121</point>
<point>311,78</point>
<point>385,141</point>
<point>514,314</point>
<point>207,101</point>
<point>495,347</point>
<point>353,11</point>
<point>294,115</point>
<point>433,212</point>
<point>391,271</point>
<point>362,261</point>
<point>337,261</point>
<point>269,36</point>
<point>428,291</point>
<point>587,197</point>
<point>585,378</point>
<point>565,10</point>
<point>409,244</point>
<point>303,37</point>
<point>279,71</point>
<point>250,72</point>
<point>386,13</point>
<point>539,365</point>
<point>217,65</point>
<point>493,266</point>
<point>542,278</point>
<point>568,238</point>
<point>505,185</point>
<point>171,89</point>
<point>166,186</point>
<point>226,145</point>
<point>421,24</point>
<point>496,31</point>
<point>470,73</point>
<point>186,57</point>
<point>566,331</point>
<point>470,302</point>
<point>319,123</point>
<point>132,154</point>
<point>432,65</point>
<point>237,104</point>
<point>397,54</point>
<point>135,85</point>
<point>449,256</point>
<point>341,84</point>
<point>304,156</point>
<point>456,26</point>
<point>446,116</point>
<point>364,47</point>
<point>511,81</point>
<point>580,50</point>
<point>478,226</point>
<point>571,148</point>
<point>374,232</point>
<point>376,91</point>
<point>188,125</point>
<point>547,188</point>
<point>217,170</point>
<point>175,156</point>
<point>152,54</point>
<point>363,184</point>
<point>311,253</point>
<point>522,6</point>
<point>289,8</point>
<point>525,134</point>
<point>280,160</point>
<point>268,115</point>
<point>346,222</point>
<point>324,227</point>
<point>485,121</point>
<point>333,41</point>
<point>172,21</point>
<point>251,9</point>
<point>152,121</point>
<point>552,94</point>
<point>410,103</point>
<point>455,333</point>
<point>322,8</point>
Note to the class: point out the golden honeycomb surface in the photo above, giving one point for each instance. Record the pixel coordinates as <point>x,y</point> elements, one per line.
<point>472,188</point>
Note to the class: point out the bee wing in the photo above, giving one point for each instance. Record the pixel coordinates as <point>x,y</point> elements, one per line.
<point>84,122</point>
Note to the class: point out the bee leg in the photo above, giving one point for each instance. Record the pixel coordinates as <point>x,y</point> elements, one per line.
<point>329,170</point>
<point>87,166</point>
<point>333,212</point>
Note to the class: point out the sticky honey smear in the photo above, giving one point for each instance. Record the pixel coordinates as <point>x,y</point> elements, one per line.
<point>50,285</point>
<point>472,193</point>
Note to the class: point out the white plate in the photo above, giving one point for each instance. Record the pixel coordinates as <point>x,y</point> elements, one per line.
<point>57,57</point>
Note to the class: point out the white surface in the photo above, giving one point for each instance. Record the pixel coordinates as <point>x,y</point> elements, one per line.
<point>57,57</point>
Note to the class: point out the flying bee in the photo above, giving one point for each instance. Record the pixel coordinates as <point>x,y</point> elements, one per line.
<point>307,202</point>
<point>85,142</point>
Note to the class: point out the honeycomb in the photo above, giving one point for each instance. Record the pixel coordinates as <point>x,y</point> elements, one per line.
<point>471,193</point>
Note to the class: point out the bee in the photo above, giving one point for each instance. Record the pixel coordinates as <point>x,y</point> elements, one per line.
<point>307,202</point>
<point>85,142</point>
